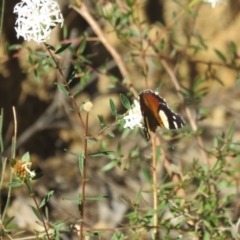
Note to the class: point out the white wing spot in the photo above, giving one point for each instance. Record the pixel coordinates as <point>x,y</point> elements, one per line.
<point>174,117</point>
<point>164,119</point>
<point>175,124</point>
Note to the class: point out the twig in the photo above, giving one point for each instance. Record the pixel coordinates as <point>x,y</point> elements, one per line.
<point>68,88</point>
<point>187,109</point>
<point>32,194</point>
<point>155,186</point>
<point>83,11</point>
<point>84,178</point>
<point>12,156</point>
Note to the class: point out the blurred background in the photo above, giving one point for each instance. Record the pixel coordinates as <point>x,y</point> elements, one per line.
<point>199,46</point>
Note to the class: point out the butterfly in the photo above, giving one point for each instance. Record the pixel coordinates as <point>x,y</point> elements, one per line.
<point>155,112</point>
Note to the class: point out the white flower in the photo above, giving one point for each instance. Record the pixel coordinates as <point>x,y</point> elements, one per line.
<point>134,117</point>
<point>214,2</point>
<point>36,19</point>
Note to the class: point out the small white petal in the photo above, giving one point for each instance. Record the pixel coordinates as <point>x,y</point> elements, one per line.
<point>32,173</point>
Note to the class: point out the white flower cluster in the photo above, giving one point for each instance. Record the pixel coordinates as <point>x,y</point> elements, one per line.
<point>134,117</point>
<point>214,2</point>
<point>36,19</point>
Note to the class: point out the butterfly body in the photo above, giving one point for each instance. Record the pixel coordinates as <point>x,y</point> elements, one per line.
<point>155,112</point>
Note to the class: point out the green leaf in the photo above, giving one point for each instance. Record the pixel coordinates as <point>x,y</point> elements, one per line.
<point>95,234</point>
<point>231,131</point>
<point>50,47</point>
<point>62,88</point>
<point>81,162</point>
<point>101,120</point>
<point>26,157</point>
<point>41,55</point>
<point>146,175</point>
<point>15,184</point>
<point>15,47</point>
<point>51,60</point>
<point>72,77</point>
<point>99,154</point>
<point>109,166</point>
<point>63,48</point>
<point>35,211</point>
<point>82,46</point>
<point>46,199</point>
<point>233,48</point>
<point>8,221</point>
<point>220,55</point>
<point>118,236</point>
<point>125,101</point>
<point>36,75</point>
<point>97,198</point>
<point>113,107</point>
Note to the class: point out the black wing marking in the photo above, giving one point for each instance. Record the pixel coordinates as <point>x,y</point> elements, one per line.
<point>170,119</point>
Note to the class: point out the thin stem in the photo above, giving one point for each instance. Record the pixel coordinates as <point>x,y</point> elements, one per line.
<point>69,89</point>
<point>155,186</point>
<point>83,11</point>
<point>38,208</point>
<point>84,178</point>
<point>1,20</point>
<point>14,139</point>
<point>191,119</point>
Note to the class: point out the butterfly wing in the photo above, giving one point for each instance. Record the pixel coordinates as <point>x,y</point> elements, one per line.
<point>156,112</point>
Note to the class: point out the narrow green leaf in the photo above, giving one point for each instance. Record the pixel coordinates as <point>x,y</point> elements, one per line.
<point>109,166</point>
<point>46,199</point>
<point>97,198</point>
<point>15,184</point>
<point>8,221</point>
<point>15,47</point>
<point>62,88</point>
<point>41,55</point>
<point>26,157</point>
<point>81,162</point>
<point>175,168</point>
<point>113,79</point>
<point>50,47</point>
<point>146,175</point>
<point>72,77</point>
<point>125,101</point>
<point>233,48</point>
<point>72,153</point>
<point>82,46</point>
<point>65,32</point>
<point>36,75</point>
<point>92,141</point>
<point>118,236</point>
<point>52,62</point>
<point>231,131</point>
<point>30,60</point>
<point>63,48</point>
<point>99,154</point>
<point>95,234</point>
<point>113,107</point>
<point>71,198</point>
<point>35,211</point>
<point>220,55</point>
